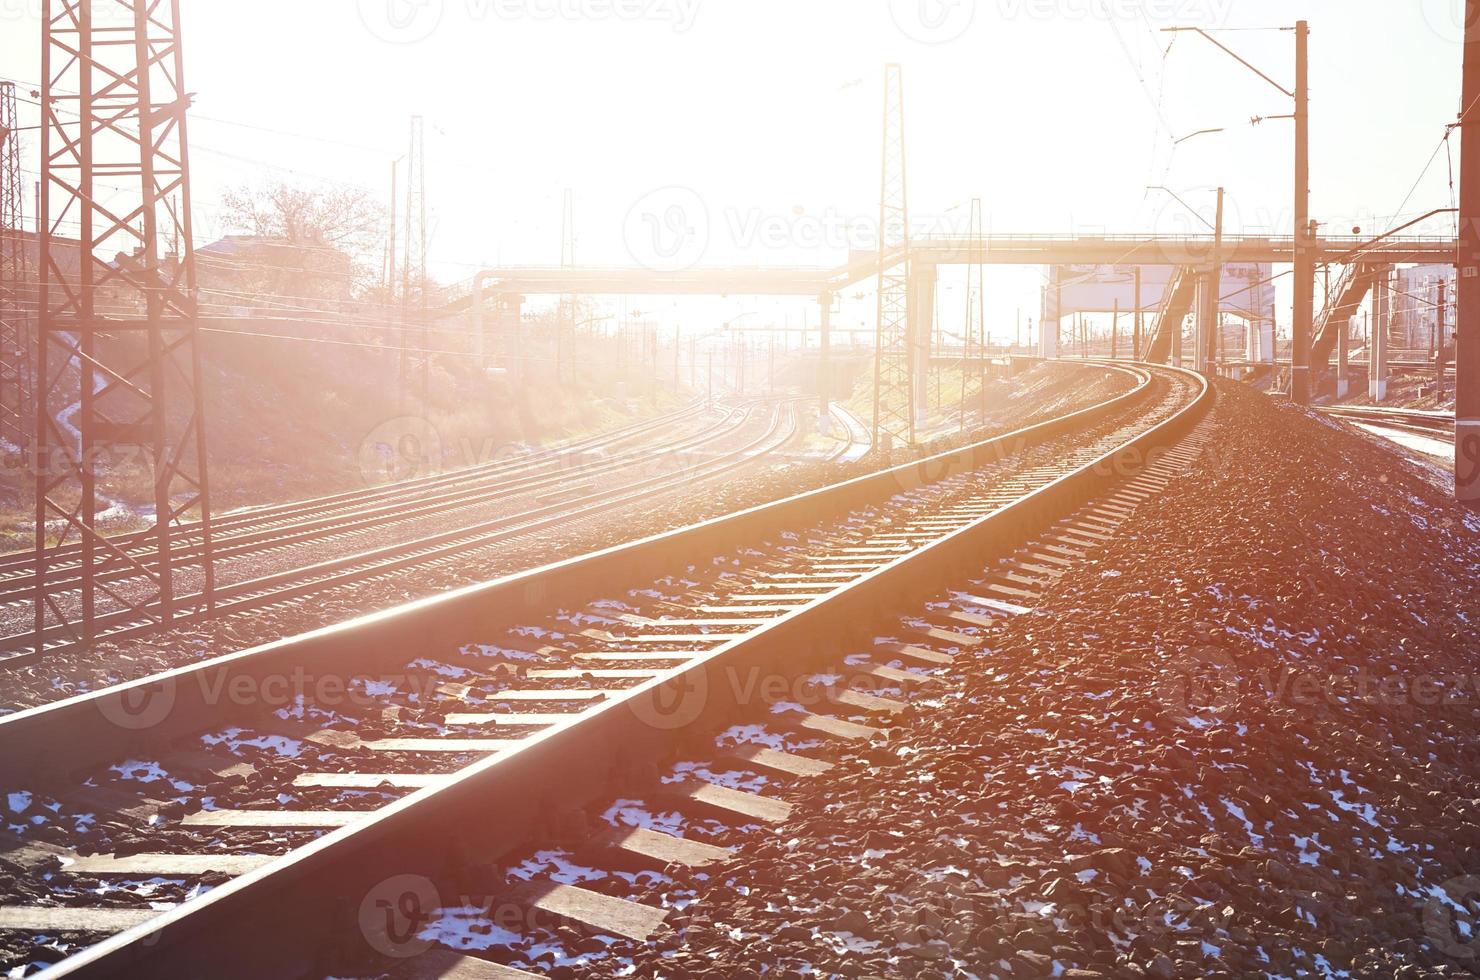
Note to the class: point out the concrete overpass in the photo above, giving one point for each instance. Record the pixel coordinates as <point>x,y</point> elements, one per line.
<point>996,249</point>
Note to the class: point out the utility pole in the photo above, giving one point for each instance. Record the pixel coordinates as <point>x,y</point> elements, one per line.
<point>114,103</point>
<point>1115,330</point>
<point>414,274</point>
<point>1467,320</point>
<point>1212,287</point>
<point>390,249</point>
<point>1304,247</point>
<point>1305,228</point>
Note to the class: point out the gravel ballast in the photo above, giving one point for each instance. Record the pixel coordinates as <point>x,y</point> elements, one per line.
<point>1241,740</point>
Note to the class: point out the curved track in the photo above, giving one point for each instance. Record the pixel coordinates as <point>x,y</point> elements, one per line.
<point>488,719</point>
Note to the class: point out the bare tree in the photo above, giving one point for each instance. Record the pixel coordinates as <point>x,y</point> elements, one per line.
<point>308,242</point>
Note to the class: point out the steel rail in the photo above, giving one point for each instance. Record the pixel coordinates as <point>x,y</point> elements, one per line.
<point>494,805</point>
<point>284,514</point>
<point>298,583</point>
<point>406,506</point>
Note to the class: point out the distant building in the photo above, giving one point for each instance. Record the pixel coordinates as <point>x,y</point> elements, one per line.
<point>247,270</point>
<point>1416,305</point>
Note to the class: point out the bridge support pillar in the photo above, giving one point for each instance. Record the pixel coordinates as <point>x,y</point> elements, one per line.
<point>1377,349</point>
<point>1259,340</point>
<point>922,322</point>
<point>1048,324</point>
<point>1207,321</point>
<point>480,328</point>
<point>510,307</point>
<point>1343,345</point>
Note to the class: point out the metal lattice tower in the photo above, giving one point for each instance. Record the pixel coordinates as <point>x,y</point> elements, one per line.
<point>17,298</point>
<point>414,269</point>
<point>117,331</point>
<point>974,336</point>
<point>894,389</point>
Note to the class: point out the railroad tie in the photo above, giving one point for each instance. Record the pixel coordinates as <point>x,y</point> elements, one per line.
<point>892,674</point>
<point>924,655</point>
<point>511,718</point>
<point>950,637</point>
<point>639,848</point>
<point>52,920</point>
<point>445,964</point>
<point>601,913</point>
<point>709,799</point>
<point>275,819</point>
<point>828,726</point>
<point>166,865</point>
<point>636,656</point>
<point>473,745</point>
<point>849,698</point>
<point>529,694</point>
<point>774,760</point>
<point>361,780</point>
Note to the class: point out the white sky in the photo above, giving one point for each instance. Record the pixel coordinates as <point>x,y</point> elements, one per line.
<point>1057,113</point>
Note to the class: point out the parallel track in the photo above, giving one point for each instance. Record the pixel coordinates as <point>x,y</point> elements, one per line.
<point>569,495</point>
<point>1432,424</point>
<point>412,783</point>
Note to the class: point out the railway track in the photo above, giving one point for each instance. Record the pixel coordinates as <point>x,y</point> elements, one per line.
<point>465,728</point>
<point>858,441</point>
<point>15,566</point>
<point>546,492</point>
<point>1432,424</point>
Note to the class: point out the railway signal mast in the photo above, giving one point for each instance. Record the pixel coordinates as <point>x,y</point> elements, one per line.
<point>118,357</point>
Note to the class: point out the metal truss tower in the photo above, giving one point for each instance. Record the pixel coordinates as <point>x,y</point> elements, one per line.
<point>118,359</point>
<point>414,270</point>
<point>974,336</point>
<point>17,297</point>
<point>894,381</point>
